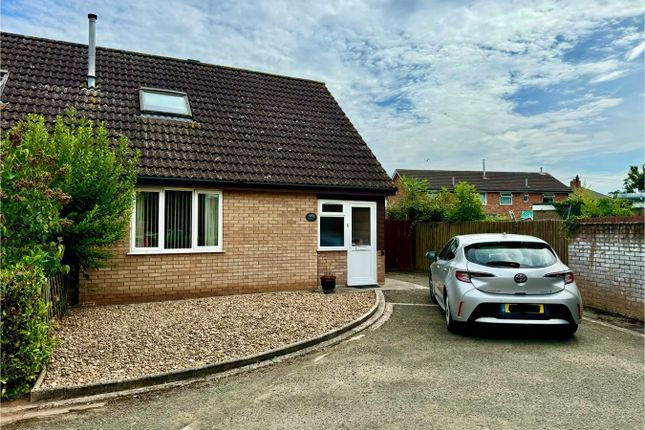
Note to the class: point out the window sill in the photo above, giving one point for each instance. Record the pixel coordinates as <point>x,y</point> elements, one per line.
<point>175,251</point>
<point>336,248</point>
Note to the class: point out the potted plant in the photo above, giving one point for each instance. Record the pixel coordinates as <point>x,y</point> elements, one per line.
<point>328,279</point>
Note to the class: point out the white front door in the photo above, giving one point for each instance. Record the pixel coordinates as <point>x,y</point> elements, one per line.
<point>361,255</point>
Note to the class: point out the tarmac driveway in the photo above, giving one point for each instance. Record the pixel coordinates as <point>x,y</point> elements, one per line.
<point>411,373</point>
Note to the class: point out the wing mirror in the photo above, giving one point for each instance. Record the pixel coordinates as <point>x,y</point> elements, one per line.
<point>431,256</point>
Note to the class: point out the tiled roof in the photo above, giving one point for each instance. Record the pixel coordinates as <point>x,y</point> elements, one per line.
<point>247,128</point>
<point>494,181</point>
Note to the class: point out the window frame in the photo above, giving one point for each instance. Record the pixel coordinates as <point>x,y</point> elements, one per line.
<point>552,195</point>
<point>525,197</point>
<point>161,91</point>
<point>501,195</point>
<point>485,198</point>
<point>159,249</point>
<point>343,215</point>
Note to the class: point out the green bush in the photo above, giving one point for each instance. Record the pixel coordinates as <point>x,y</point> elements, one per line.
<point>30,219</point>
<point>26,336</point>
<point>581,204</point>
<point>100,180</point>
<point>468,205</point>
<point>417,204</point>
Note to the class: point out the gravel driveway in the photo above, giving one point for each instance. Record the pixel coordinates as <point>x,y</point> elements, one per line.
<point>125,341</point>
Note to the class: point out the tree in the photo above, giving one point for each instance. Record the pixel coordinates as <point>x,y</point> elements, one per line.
<point>468,205</point>
<point>417,204</point>
<point>581,204</point>
<point>100,180</point>
<point>635,180</point>
<point>30,220</point>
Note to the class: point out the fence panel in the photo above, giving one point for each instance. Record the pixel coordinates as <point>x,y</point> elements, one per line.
<point>433,236</point>
<point>55,294</point>
<point>399,245</point>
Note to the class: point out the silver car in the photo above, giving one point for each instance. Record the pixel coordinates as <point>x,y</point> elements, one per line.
<point>504,279</point>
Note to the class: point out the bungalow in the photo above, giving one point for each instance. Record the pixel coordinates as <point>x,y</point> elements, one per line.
<point>500,192</point>
<point>248,181</point>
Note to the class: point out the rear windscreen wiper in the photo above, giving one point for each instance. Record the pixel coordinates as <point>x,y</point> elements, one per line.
<point>503,263</point>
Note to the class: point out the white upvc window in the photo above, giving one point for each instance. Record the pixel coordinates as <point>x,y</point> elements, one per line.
<point>331,225</point>
<point>483,197</point>
<point>176,220</point>
<point>548,198</point>
<point>506,199</point>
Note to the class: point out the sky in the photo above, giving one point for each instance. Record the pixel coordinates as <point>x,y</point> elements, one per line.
<point>428,84</point>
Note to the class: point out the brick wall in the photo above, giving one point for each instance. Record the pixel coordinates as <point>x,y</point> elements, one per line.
<point>493,207</point>
<point>336,263</point>
<point>268,246</point>
<point>608,258</point>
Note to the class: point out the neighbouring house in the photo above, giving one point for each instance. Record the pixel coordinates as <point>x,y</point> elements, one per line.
<point>500,192</point>
<point>248,181</point>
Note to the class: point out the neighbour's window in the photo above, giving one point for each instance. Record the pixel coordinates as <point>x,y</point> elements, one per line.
<point>483,198</point>
<point>164,102</point>
<point>547,198</point>
<point>191,220</point>
<point>331,226</point>
<point>525,197</point>
<point>506,198</point>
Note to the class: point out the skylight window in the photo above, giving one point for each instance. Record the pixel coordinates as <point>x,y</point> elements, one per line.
<point>164,102</point>
<point>4,75</point>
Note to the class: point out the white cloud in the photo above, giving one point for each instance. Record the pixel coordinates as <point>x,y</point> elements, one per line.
<point>454,65</point>
<point>635,52</point>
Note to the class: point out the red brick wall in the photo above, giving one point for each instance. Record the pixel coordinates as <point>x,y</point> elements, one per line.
<point>494,208</point>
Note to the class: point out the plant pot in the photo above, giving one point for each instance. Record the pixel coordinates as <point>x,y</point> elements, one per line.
<point>328,283</point>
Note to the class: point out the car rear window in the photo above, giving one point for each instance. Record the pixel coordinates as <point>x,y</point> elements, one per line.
<point>511,254</point>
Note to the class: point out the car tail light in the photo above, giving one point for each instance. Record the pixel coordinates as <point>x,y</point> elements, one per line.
<point>463,276</point>
<point>566,276</point>
<point>466,276</point>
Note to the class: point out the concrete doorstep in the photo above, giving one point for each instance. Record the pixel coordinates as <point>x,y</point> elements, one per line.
<point>59,400</point>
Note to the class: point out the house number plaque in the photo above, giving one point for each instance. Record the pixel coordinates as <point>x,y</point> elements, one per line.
<point>311,217</point>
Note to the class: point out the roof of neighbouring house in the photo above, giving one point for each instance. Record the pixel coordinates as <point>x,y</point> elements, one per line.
<point>494,181</point>
<point>247,127</point>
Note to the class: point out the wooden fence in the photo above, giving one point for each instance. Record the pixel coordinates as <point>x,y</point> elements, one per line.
<point>399,243</point>
<point>433,236</point>
<point>55,294</point>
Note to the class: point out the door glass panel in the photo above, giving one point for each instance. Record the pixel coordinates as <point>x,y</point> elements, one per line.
<point>361,229</point>
<point>332,231</point>
<point>329,207</point>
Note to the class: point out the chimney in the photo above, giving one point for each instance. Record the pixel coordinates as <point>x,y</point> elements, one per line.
<point>484,168</point>
<point>541,171</point>
<point>575,183</point>
<point>91,52</point>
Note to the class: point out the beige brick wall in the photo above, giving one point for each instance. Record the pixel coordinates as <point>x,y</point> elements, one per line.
<point>333,263</point>
<point>268,246</point>
<point>336,263</point>
<point>608,261</point>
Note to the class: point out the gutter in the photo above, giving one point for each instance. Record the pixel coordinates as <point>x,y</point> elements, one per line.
<point>335,189</point>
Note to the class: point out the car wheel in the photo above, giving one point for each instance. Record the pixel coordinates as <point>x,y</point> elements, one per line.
<point>452,325</point>
<point>568,330</point>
